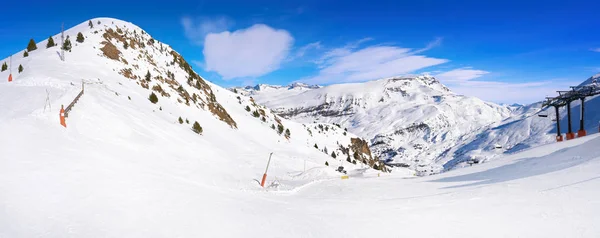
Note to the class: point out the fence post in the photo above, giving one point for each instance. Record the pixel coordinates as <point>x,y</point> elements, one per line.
<point>62,116</point>
<point>264,178</point>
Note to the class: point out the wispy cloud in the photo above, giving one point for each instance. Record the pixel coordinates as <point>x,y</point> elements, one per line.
<point>435,43</point>
<point>352,63</point>
<point>462,81</point>
<point>460,75</point>
<point>311,46</point>
<point>250,52</point>
<point>196,29</point>
<point>595,50</point>
<point>504,92</point>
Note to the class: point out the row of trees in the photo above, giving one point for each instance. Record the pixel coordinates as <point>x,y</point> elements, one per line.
<point>5,67</point>
<point>31,46</point>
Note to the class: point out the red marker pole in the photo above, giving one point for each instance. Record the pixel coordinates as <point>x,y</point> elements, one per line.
<point>262,183</point>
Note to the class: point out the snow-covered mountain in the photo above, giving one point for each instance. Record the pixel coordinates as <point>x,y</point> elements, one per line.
<point>410,121</point>
<point>525,129</point>
<point>121,66</point>
<point>419,123</point>
<point>127,167</point>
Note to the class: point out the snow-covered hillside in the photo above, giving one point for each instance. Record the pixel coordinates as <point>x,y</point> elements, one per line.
<point>115,121</point>
<point>525,129</point>
<point>410,121</point>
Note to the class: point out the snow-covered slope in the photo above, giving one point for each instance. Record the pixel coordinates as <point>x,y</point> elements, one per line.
<point>525,129</point>
<point>157,180</point>
<point>410,121</point>
<point>114,121</point>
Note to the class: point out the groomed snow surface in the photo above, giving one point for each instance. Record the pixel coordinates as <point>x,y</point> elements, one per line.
<point>126,168</point>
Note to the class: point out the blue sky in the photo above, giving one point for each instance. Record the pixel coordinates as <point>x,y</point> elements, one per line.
<point>500,51</point>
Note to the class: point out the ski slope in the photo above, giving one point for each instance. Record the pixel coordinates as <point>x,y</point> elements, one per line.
<point>548,191</point>
<point>124,167</point>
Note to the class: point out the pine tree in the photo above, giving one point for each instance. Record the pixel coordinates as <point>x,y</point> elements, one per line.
<point>90,24</point>
<point>354,161</point>
<point>20,68</point>
<point>153,98</point>
<point>263,119</point>
<point>187,121</point>
<point>125,45</point>
<point>316,147</point>
<point>4,67</point>
<point>180,120</point>
<point>80,38</point>
<point>148,76</point>
<point>50,42</point>
<point>25,54</point>
<point>333,154</point>
<point>326,163</point>
<point>279,129</point>
<point>67,45</point>
<point>197,128</point>
<point>287,133</point>
<point>247,108</point>
<point>31,46</point>
<point>255,113</point>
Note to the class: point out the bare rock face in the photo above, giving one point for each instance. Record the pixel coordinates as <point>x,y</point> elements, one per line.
<point>117,40</point>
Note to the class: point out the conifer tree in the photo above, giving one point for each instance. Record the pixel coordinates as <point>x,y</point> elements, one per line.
<point>197,128</point>
<point>50,42</point>
<point>280,129</point>
<point>125,45</point>
<point>180,120</point>
<point>80,38</point>
<point>90,24</point>
<point>20,68</point>
<point>4,67</point>
<point>247,108</point>
<point>287,133</point>
<point>67,45</point>
<point>333,154</point>
<point>148,76</point>
<point>153,98</point>
<point>316,147</point>
<point>31,46</point>
<point>25,54</point>
<point>326,163</point>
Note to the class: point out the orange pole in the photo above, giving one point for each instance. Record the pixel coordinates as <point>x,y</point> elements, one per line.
<point>264,178</point>
<point>62,116</point>
<point>10,78</point>
<point>262,183</point>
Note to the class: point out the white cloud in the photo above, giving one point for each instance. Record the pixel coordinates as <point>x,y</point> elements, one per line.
<point>595,50</point>
<point>302,50</point>
<point>503,92</point>
<point>460,75</point>
<point>435,43</point>
<point>350,64</point>
<point>461,81</point>
<point>250,52</point>
<point>197,29</point>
